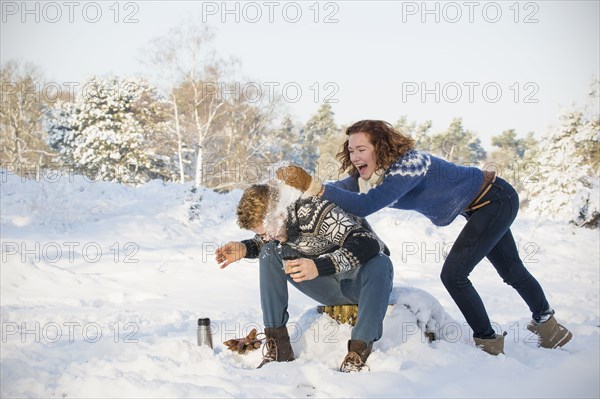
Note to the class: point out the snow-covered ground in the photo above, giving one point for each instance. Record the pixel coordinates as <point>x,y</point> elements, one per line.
<point>102,286</point>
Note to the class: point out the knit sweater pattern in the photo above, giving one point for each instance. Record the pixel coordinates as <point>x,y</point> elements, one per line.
<point>334,239</point>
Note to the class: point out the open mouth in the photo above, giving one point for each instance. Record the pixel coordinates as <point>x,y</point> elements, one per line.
<point>361,168</point>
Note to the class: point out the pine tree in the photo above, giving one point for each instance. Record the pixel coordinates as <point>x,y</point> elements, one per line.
<point>456,144</point>
<point>567,186</point>
<point>509,146</point>
<point>418,133</point>
<point>102,133</point>
<point>287,145</point>
<point>514,159</point>
<point>319,131</point>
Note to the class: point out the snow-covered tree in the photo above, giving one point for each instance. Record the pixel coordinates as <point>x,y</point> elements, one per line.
<point>102,134</point>
<point>320,130</point>
<point>567,185</point>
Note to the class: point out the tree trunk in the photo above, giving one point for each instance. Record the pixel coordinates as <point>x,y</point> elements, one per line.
<point>179,140</point>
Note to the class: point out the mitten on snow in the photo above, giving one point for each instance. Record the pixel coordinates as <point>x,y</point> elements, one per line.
<point>297,177</point>
<point>243,345</point>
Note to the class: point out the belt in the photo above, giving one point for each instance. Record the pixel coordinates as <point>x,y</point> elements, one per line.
<point>489,178</point>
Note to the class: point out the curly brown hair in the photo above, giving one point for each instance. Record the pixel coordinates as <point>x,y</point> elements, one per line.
<point>254,204</point>
<point>389,144</point>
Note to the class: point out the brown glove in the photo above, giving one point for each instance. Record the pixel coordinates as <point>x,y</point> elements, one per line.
<point>242,345</point>
<point>297,177</point>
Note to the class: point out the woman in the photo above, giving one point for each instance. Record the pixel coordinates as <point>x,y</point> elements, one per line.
<point>386,170</point>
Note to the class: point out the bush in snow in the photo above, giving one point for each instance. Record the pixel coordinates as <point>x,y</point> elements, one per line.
<point>567,185</point>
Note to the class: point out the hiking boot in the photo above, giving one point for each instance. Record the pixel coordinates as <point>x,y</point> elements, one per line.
<point>550,333</point>
<point>278,346</point>
<point>358,352</point>
<point>494,346</point>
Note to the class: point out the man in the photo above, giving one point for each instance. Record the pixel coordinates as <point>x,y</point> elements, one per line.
<point>339,261</point>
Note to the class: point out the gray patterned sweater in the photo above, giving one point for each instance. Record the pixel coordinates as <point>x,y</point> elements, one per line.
<point>334,239</point>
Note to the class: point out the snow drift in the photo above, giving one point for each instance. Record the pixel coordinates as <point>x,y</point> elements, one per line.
<point>102,285</point>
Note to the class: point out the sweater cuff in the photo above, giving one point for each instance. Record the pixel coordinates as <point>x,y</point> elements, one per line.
<point>252,249</point>
<point>325,266</point>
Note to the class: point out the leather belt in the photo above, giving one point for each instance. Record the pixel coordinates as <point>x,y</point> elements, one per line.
<point>489,178</point>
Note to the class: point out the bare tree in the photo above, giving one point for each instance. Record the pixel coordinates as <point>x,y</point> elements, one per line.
<point>22,107</point>
<point>212,116</point>
<point>163,54</point>
<point>192,75</point>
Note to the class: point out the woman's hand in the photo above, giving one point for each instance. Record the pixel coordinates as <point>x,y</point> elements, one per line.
<point>302,269</point>
<point>229,253</point>
<point>298,178</point>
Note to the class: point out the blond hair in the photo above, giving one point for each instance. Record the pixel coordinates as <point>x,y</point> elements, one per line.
<point>254,204</point>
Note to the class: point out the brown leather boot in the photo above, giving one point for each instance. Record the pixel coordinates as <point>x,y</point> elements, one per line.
<point>278,346</point>
<point>550,333</point>
<point>493,346</point>
<point>358,352</point>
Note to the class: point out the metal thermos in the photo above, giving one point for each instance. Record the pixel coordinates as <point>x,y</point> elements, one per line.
<point>204,333</point>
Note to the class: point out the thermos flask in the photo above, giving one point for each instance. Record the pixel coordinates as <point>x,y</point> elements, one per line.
<point>204,333</point>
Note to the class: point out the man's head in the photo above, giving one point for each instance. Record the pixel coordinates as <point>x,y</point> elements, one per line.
<point>253,205</point>
<point>256,212</point>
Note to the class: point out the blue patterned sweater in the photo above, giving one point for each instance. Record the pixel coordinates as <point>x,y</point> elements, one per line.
<point>417,181</point>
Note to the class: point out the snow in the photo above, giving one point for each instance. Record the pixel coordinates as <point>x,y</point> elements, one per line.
<point>102,285</point>
<point>283,197</point>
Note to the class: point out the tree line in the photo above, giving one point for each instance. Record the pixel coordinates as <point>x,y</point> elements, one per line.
<point>187,128</point>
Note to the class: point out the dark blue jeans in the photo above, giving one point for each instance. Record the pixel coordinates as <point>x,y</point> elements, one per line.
<point>368,285</point>
<point>487,234</point>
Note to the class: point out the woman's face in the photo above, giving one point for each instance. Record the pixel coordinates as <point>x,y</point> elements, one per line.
<point>362,154</point>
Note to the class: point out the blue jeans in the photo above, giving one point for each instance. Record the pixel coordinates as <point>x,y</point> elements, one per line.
<point>369,286</point>
<point>487,234</point>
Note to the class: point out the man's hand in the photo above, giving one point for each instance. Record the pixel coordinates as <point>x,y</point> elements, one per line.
<point>229,253</point>
<point>297,177</point>
<point>302,269</point>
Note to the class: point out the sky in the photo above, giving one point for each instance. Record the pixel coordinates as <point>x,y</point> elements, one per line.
<point>498,65</point>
